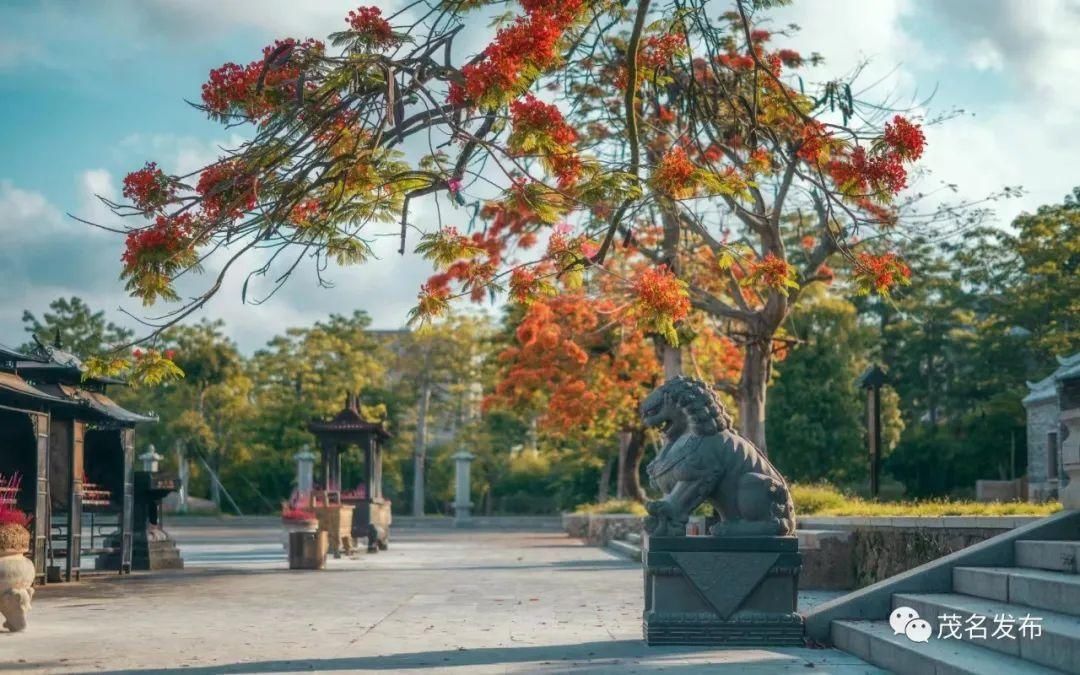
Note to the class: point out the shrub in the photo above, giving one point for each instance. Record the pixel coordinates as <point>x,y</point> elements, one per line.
<point>613,506</point>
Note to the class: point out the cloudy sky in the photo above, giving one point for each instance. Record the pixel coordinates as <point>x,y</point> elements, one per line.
<point>89,91</point>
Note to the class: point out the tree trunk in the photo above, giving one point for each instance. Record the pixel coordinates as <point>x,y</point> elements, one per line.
<point>420,453</point>
<point>630,478</point>
<point>672,359</point>
<point>757,362</point>
<point>604,488</point>
<point>215,487</point>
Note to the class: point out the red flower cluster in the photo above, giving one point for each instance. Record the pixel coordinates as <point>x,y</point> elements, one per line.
<point>772,271</point>
<point>815,140</point>
<point>906,139</point>
<point>662,293</point>
<point>227,190</point>
<point>166,237</point>
<point>736,61</point>
<point>675,174</point>
<point>372,27</point>
<point>528,113</point>
<point>9,493</point>
<point>529,44</point>
<point>790,58</point>
<point>293,514</point>
<point>881,272</point>
<point>233,89</point>
<point>553,137</point>
<point>658,50</point>
<point>149,188</point>
<point>863,174</point>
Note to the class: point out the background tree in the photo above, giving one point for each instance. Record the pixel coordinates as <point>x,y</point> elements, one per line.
<point>674,122</point>
<point>83,331</point>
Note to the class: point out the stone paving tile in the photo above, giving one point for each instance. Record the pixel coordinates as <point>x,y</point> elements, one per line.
<point>456,601</point>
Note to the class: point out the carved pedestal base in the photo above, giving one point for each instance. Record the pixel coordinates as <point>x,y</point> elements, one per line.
<point>726,591</point>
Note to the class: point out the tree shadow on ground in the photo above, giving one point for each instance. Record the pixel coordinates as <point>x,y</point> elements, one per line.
<point>616,655</point>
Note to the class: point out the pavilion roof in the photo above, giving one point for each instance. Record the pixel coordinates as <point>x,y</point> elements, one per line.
<point>349,420</point>
<point>1046,388</point>
<point>96,403</point>
<point>10,383</point>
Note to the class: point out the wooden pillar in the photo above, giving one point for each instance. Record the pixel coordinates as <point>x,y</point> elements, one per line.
<point>369,469</point>
<point>127,442</point>
<point>40,525</point>
<point>74,552</point>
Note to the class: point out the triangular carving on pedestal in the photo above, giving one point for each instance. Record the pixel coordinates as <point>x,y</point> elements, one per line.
<point>724,580</point>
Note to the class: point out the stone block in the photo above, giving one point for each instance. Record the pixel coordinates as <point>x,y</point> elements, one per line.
<point>981,582</point>
<point>828,559</point>
<point>731,591</point>
<point>1055,591</point>
<point>1059,556</point>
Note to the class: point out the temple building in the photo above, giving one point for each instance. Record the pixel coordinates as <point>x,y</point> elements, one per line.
<point>1045,434</point>
<point>74,447</point>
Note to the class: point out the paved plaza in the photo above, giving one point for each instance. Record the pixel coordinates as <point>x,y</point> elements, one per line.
<point>440,600</point>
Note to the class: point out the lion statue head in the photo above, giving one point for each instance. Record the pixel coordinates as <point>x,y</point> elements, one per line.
<point>683,404</point>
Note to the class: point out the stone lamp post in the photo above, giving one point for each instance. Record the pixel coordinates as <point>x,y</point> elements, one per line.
<point>1068,391</point>
<point>462,504</point>
<point>305,470</point>
<point>150,459</point>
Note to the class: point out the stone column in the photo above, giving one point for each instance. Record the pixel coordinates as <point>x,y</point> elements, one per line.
<point>462,504</point>
<point>1068,389</point>
<point>185,475</point>
<point>305,470</point>
<point>150,459</point>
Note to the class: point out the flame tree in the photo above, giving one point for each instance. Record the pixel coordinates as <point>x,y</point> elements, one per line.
<point>660,130</point>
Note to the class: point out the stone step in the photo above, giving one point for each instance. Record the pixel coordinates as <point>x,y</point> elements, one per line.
<point>633,538</point>
<point>1059,556</point>
<point>875,642</point>
<point>625,549</point>
<point>1042,589</point>
<point>1055,644</point>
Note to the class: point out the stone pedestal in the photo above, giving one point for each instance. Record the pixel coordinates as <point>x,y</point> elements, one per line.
<point>336,520</point>
<point>724,591</point>
<point>16,590</point>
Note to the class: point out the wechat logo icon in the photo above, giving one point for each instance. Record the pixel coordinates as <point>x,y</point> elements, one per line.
<point>906,621</point>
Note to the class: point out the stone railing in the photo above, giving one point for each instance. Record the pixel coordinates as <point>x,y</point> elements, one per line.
<point>841,553</point>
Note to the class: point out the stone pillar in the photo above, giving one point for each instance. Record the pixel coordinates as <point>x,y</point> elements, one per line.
<point>305,470</point>
<point>150,459</point>
<point>1068,389</point>
<point>462,504</point>
<point>185,476</point>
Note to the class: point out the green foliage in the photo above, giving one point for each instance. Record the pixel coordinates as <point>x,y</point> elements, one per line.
<point>83,331</point>
<point>822,436</point>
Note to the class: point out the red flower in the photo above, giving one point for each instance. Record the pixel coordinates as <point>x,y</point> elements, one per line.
<point>165,238</point>
<point>790,58</point>
<point>149,188</point>
<point>881,272</point>
<point>772,271</point>
<point>170,353</point>
<point>529,44</point>
<point>905,138</point>
<point>227,190</point>
<point>662,293</point>
<point>675,175</point>
<point>372,27</point>
<point>658,50</point>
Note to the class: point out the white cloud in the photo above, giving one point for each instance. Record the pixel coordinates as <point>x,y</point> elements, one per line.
<point>983,54</point>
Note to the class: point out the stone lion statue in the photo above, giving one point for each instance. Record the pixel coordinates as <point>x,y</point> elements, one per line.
<point>704,460</point>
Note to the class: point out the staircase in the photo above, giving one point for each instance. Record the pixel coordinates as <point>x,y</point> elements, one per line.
<point>1044,584</point>
<point>629,546</point>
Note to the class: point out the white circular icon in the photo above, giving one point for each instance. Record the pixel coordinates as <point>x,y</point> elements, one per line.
<point>918,630</point>
<point>900,618</point>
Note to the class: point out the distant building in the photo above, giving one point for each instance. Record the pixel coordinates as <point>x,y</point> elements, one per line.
<point>1045,434</point>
